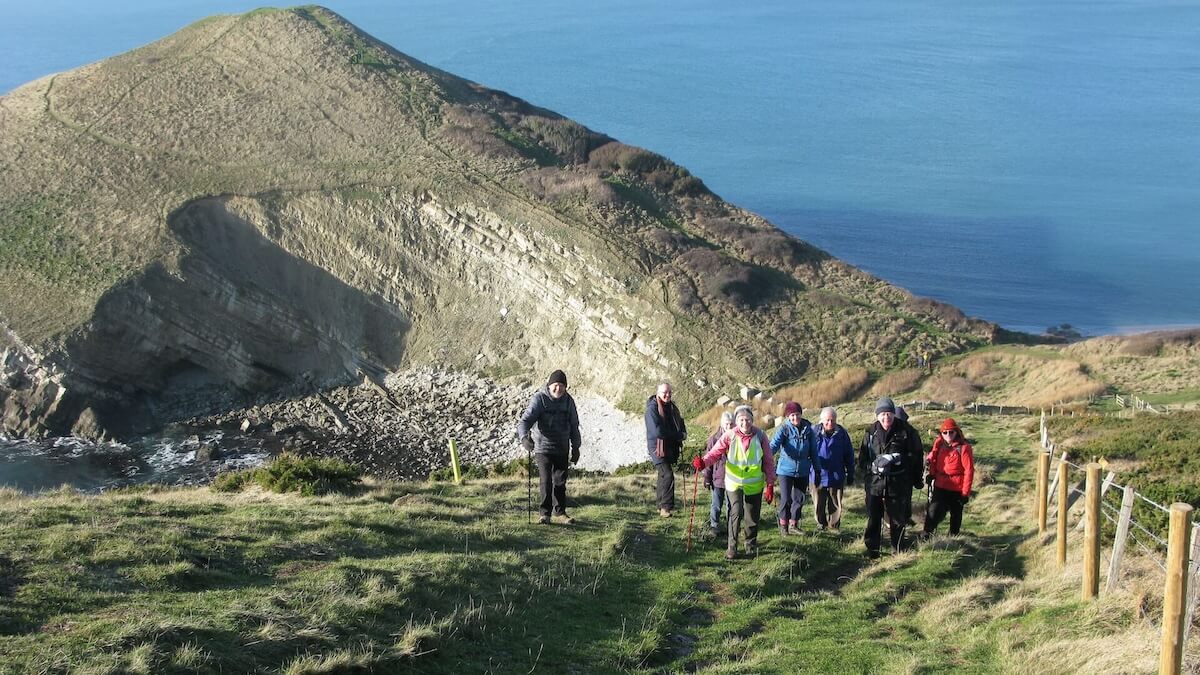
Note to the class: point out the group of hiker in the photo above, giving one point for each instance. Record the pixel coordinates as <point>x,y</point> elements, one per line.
<point>741,467</point>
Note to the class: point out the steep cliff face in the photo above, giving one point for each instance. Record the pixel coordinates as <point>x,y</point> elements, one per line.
<point>274,201</point>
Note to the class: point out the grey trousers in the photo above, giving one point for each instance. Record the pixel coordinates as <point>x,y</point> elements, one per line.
<point>747,507</point>
<point>829,507</point>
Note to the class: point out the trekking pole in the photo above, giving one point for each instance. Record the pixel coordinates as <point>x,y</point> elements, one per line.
<point>528,486</point>
<point>692,517</point>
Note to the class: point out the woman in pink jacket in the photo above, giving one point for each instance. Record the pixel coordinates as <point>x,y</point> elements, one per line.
<point>749,474</point>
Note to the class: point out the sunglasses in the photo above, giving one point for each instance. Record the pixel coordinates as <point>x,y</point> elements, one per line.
<point>950,433</point>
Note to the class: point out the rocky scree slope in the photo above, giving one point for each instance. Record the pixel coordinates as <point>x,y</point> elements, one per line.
<point>275,201</point>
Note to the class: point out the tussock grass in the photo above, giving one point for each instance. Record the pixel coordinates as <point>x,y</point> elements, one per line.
<point>844,386</point>
<point>898,382</point>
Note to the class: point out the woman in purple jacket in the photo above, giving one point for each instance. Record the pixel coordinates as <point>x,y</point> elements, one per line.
<point>714,476</point>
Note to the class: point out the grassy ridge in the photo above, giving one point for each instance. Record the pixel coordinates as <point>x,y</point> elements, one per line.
<point>438,578</point>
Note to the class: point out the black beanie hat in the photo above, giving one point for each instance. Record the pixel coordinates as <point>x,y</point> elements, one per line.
<point>557,376</point>
<point>885,404</point>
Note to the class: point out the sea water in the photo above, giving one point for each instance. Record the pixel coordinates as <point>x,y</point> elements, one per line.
<point>1032,162</point>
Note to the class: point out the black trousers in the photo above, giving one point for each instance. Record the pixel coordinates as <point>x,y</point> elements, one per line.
<point>552,478</point>
<point>664,491</point>
<point>943,502</point>
<point>895,510</point>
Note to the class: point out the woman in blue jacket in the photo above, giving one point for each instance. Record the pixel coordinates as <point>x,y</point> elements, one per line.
<point>795,446</point>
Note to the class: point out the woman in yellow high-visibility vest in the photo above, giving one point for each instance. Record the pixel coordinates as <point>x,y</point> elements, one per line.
<point>749,474</point>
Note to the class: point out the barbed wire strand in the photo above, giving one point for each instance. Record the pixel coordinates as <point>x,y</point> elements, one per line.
<point>1152,502</point>
<point>1161,542</point>
<point>1149,554</point>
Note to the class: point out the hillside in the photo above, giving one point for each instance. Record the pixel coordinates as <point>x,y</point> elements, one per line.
<point>436,578</point>
<point>275,201</point>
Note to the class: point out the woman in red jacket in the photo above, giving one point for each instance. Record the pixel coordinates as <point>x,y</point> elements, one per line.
<point>951,472</point>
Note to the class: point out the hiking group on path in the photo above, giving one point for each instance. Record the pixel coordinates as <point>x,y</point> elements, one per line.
<point>741,467</point>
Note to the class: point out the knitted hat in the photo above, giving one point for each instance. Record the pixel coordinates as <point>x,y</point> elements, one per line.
<point>885,404</point>
<point>901,413</point>
<point>743,410</point>
<point>557,376</point>
<point>949,425</point>
<point>792,407</point>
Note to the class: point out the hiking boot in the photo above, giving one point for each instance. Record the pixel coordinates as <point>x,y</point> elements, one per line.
<point>665,513</point>
<point>752,550</point>
<point>783,529</point>
<point>543,520</point>
<point>794,528</point>
<point>730,553</point>
<point>713,533</point>
<point>564,519</point>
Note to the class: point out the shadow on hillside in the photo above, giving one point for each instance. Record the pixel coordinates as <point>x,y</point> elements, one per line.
<point>236,316</point>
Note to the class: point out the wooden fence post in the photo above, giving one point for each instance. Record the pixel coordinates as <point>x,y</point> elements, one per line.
<point>1054,485</point>
<point>1193,582</point>
<point>1108,481</point>
<point>1063,486</point>
<point>1091,534</point>
<point>1043,485</point>
<point>1170,655</point>
<point>1114,565</point>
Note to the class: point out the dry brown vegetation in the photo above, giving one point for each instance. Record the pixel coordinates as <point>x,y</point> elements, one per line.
<point>1012,377</point>
<point>1162,362</point>
<point>845,385</point>
<point>897,382</point>
<point>949,388</point>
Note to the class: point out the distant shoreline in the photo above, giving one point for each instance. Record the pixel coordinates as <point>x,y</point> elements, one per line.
<point>1088,332</point>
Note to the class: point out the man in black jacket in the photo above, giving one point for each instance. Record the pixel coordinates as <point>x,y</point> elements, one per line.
<point>890,458</point>
<point>548,429</point>
<point>665,433</point>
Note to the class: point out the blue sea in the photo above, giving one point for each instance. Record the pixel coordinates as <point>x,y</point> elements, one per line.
<point>1032,162</point>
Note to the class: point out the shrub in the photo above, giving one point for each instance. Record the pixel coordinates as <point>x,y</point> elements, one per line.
<point>291,473</point>
<point>568,140</point>
<point>722,277</point>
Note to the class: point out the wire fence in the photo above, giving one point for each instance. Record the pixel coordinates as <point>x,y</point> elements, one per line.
<point>1124,522</point>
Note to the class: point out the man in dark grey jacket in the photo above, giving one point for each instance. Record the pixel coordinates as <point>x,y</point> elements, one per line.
<point>890,458</point>
<point>549,429</point>
<point>665,434</point>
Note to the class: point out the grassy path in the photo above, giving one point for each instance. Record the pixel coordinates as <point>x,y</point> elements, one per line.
<point>437,578</point>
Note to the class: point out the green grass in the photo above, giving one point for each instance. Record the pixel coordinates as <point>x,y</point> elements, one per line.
<point>441,578</point>
<point>309,476</point>
<point>1175,397</point>
<point>34,239</point>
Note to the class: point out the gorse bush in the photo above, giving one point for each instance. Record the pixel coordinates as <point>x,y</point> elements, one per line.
<point>290,473</point>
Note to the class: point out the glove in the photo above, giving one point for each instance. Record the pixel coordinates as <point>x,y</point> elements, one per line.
<point>966,498</point>
<point>697,463</point>
<point>770,496</point>
<point>708,484</point>
<point>929,479</point>
<point>527,443</point>
<point>575,456</point>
